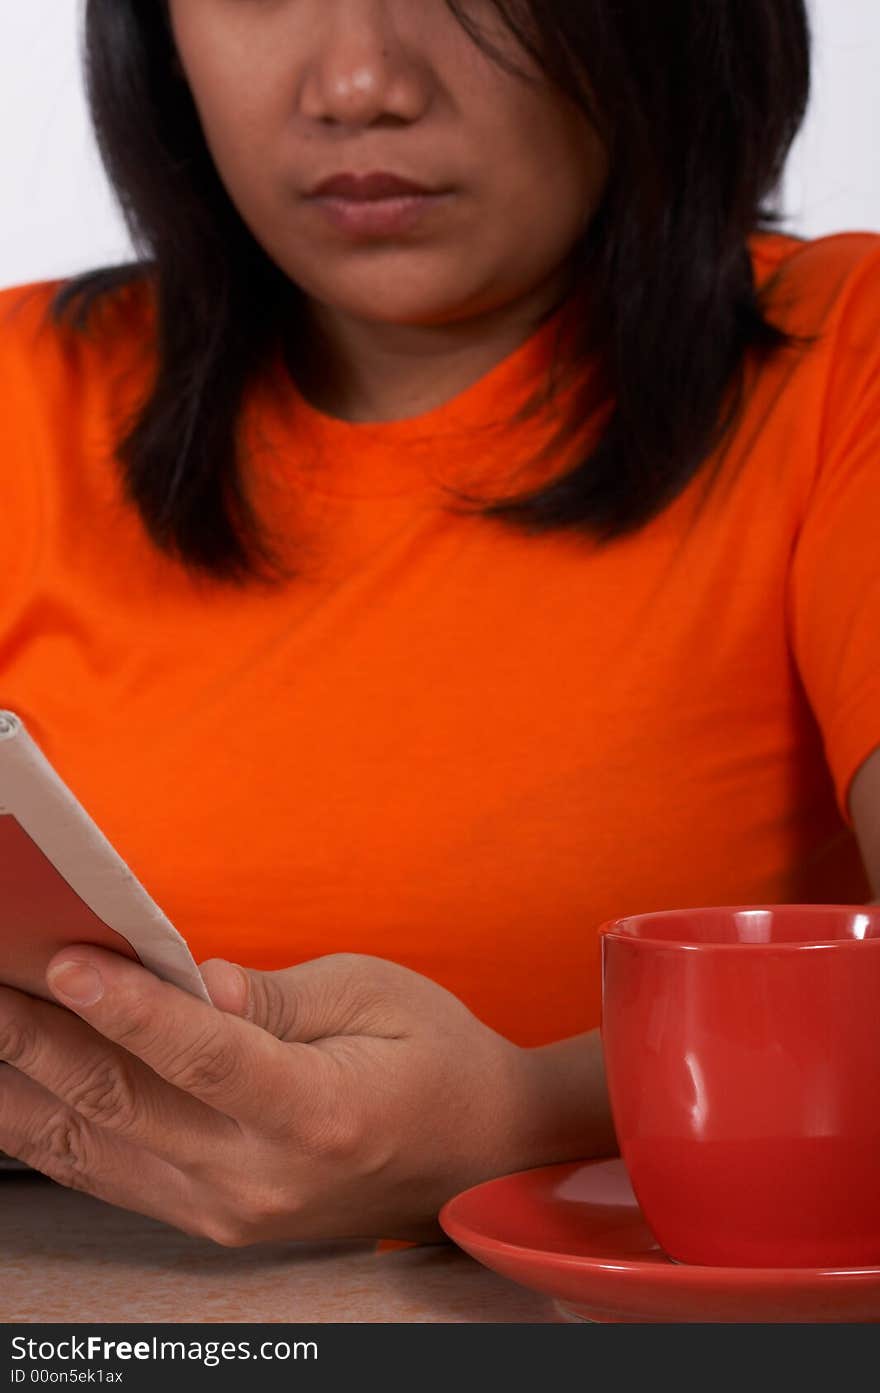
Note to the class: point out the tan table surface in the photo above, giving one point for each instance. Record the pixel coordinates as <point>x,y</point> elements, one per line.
<point>69,1258</point>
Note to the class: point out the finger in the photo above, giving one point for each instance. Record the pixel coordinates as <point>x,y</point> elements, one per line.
<point>47,1135</point>
<point>227,985</point>
<point>228,1063</point>
<point>270,1000</point>
<point>343,994</point>
<point>104,1084</point>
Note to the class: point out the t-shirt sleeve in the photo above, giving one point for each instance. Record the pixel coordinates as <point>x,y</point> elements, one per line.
<point>835,573</point>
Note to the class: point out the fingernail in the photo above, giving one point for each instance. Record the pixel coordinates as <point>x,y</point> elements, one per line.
<point>76,982</point>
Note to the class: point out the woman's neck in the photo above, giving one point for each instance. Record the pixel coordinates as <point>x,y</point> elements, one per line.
<point>360,371</point>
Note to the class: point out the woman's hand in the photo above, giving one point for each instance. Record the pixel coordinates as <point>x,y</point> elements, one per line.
<point>347,1097</point>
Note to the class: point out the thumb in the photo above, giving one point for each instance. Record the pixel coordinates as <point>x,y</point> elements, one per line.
<point>263,998</point>
<point>227,985</point>
<point>327,997</point>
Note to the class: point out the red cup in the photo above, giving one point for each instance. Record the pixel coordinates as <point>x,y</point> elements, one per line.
<point>742,1047</point>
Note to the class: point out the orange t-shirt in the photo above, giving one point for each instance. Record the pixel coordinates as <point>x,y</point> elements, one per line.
<point>445,742</point>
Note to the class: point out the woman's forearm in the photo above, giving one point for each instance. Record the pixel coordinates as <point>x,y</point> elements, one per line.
<point>567,1114</point>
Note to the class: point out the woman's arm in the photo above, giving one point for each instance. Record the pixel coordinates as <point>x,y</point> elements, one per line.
<point>864,806</point>
<point>567,1112</point>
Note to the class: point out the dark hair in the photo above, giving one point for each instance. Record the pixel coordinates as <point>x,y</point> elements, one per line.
<point>698,104</point>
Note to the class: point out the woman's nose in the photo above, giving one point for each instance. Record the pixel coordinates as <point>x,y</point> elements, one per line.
<point>360,70</point>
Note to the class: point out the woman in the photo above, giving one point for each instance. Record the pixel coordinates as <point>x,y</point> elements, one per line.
<point>409,580</point>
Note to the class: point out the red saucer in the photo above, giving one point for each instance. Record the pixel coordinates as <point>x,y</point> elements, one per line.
<point>576,1233</point>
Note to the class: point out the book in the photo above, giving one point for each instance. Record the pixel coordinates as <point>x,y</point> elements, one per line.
<point>62,882</point>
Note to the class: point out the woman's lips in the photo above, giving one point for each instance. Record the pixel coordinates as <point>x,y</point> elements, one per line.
<point>380,184</point>
<point>378,217</point>
<point>374,205</point>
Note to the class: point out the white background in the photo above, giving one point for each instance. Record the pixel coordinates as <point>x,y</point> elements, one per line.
<point>59,217</point>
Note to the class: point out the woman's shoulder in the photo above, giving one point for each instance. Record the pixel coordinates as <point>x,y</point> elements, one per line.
<point>62,329</point>
<point>64,386</point>
<point>108,298</point>
<point>824,388</point>
<point>809,283</point>
<point>26,325</point>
